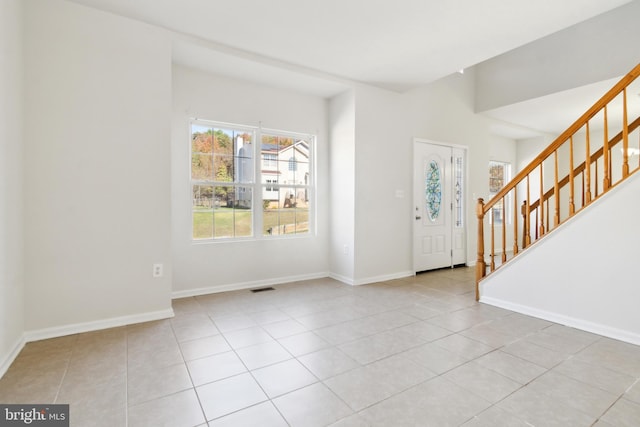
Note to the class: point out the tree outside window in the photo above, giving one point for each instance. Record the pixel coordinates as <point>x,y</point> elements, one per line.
<point>228,184</point>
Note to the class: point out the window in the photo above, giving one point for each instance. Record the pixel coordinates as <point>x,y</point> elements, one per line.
<point>286,207</point>
<point>499,175</point>
<point>269,160</point>
<point>458,173</point>
<point>222,174</point>
<point>227,184</point>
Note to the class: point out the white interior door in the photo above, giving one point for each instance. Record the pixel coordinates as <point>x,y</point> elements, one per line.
<point>439,228</point>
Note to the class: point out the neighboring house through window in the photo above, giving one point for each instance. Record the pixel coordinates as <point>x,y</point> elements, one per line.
<point>287,205</point>
<point>293,165</point>
<point>228,185</point>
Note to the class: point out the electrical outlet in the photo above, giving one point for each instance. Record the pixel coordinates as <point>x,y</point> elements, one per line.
<point>345,249</point>
<point>157,270</point>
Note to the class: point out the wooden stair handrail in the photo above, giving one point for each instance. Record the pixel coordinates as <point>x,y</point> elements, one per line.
<point>594,157</point>
<point>543,215</point>
<point>564,136</point>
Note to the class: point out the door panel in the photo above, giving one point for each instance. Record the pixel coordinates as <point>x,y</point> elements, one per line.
<point>437,191</point>
<point>427,247</point>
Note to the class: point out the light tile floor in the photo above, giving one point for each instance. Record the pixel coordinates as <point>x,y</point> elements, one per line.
<point>417,351</point>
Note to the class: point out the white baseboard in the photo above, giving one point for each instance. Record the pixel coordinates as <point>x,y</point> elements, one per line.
<point>384,278</point>
<point>11,356</point>
<point>585,325</point>
<point>287,279</point>
<point>59,331</point>
<point>373,279</point>
<point>340,278</point>
<point>246,285</point>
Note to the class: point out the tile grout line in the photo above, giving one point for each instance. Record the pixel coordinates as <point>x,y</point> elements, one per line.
<point>331,297</point>
<point>66,370</point>
<point>186,366</point>
<point>247,371</point>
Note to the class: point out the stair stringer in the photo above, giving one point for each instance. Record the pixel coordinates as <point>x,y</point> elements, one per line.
<point>584,274</point>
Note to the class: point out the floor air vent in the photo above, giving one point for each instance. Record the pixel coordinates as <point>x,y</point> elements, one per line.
<point>262,290</point>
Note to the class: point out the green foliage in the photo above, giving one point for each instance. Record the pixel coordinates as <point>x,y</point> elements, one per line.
<point>212,155</point>
<point>280,141</point>
<point>222,141</point>
<point>224,193</point>
<point>228,223</point>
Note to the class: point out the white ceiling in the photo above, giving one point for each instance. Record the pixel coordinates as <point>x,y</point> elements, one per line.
<point>553,114</point>
<point>548,114</point>
<point>395,44</point>
<point>321,47</point>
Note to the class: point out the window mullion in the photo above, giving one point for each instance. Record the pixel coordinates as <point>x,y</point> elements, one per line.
<point>257,187</point>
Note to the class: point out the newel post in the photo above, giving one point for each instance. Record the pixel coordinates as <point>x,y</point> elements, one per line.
<point>481,267</point>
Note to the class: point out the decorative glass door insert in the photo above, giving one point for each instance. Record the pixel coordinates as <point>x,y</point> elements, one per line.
<point>433,190</point>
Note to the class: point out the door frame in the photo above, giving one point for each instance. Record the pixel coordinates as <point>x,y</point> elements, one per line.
<point>465,210</point>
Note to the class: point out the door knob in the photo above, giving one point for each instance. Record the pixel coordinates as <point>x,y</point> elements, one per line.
<point>418,217</point>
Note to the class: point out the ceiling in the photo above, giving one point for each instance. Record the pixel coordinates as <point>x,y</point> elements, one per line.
<point>550,114</point>
<point>321,47</point>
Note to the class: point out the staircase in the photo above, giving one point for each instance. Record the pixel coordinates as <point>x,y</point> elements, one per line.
<point>594,155</point>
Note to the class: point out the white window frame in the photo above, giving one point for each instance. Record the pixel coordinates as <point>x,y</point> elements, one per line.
<point>270,159</point>
<point>506,209</point>
<point>310,187</point>
<point>256,184</point>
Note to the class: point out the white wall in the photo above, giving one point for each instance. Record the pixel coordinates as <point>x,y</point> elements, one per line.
<point>443,111</point>
<point>383,165</point>
<point>106,172</point>
<point>218,266</point>
<point>595,289</point>
<point>386,124</point>
<point>11,189</point>
<point>96,169</point>
<point>528,149</point>
<point>342,136</point>
<point>369,162</point>
<point>503,150</point>
<point>562,60</point>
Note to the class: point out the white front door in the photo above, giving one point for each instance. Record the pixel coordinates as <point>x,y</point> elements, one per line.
<point>439,225</point>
